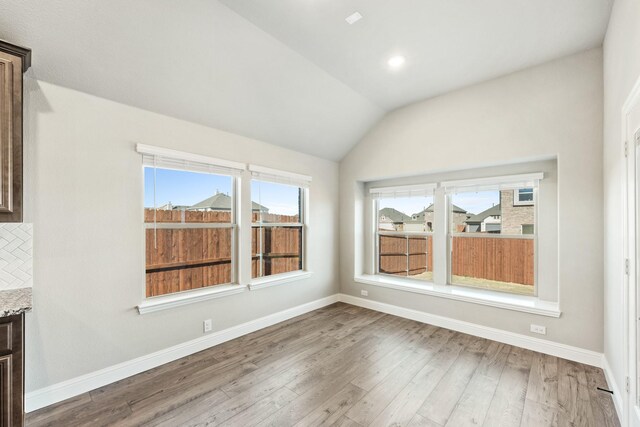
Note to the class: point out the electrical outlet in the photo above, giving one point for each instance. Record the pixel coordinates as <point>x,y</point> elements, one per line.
<point>207,325</point>
<point>537,329</point>
<point>364,293</point>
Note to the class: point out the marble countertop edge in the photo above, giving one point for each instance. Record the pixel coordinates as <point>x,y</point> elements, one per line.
<point>15,301</point>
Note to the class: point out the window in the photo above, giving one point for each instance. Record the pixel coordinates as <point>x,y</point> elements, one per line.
<point>404,231</point>
<point>496,248</point>
<point>278,222</point>
<point>523,196</point>
<point>486,240</point>
<point>190,224</point>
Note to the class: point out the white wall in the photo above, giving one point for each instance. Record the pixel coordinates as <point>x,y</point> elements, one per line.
<point>621,70</point>
<point>84,188</point>
<point>195,60</point>
<point>553,110</point>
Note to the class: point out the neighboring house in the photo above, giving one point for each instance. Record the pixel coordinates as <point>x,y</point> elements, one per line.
<point>488,221</point>
<point>518,211</point>
<point>222,202</point>
<point>170,207</point>
<point>423,221</point>
<point>392,219</point>
<point>515,214</point>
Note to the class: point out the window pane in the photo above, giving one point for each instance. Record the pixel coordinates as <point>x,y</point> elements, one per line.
<point>275,203</point>
<point>404,255</point>
<point>490,261</point>
<point>179,258</point>
<point>275,250</point>
<point>177,191</point>
<point>525,195</point>
<point>405,214</point>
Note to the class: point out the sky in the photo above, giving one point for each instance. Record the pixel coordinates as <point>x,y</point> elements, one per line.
<point>183,188</point>
<point>474,202</point>
<point>280,199</point>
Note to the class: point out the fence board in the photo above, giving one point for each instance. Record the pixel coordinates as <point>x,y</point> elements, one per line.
<point>184,259</point>
<point>405,256</point>
<point>502,260</point>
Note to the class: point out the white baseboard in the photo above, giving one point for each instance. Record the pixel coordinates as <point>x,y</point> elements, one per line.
<point>613,386</point>
<point>58,392</point>
<point>64,390</point>
<point>536,344</point>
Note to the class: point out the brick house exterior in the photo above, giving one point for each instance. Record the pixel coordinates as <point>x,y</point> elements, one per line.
<point>515,216</point>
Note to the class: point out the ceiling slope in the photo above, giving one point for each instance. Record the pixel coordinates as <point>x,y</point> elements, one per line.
<point>448,44</point>
<point>191,59</point>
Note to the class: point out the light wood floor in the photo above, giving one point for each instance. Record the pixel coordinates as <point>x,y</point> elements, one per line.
<point>347,366</point>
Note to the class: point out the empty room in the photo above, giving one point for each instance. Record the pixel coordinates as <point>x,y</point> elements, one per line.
<point>339,213</point>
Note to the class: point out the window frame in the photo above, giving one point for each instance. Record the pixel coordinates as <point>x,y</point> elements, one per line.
<point>303,231</point>
<point>241,225</point>
<point>232,225</point>
<point>443,231</point>
<point>426,190</point>
<point>170,160</point>
<point>518,202</point>
<point>488,235</point>
<point>303,183</point>
<point>406,234</point>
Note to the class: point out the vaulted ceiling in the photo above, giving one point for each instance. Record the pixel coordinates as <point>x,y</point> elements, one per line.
<point>291,72</point>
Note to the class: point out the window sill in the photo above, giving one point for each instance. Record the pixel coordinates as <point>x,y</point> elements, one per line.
<point>521,303</point>
<point>183,298</point>
<point>279,279</point>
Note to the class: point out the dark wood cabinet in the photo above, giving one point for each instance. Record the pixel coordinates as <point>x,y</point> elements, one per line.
<point>14,61</point>
<point>12,371</point>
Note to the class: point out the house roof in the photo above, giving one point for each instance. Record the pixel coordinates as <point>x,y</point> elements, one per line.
<point>492,211</point>
<point>394,215</point>
<point>222,202</point>
<point>456,209</point>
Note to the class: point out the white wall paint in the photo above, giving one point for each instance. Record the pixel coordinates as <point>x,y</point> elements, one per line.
<point>543,112</point>
<point>192,59</point>
<point>621,70</point>
<point>84,187</point>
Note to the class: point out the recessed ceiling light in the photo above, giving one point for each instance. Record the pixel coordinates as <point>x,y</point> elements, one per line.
<point>353,18</point>
<point>396,62</point>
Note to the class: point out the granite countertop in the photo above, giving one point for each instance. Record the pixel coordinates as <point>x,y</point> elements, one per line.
<point>15,301</point>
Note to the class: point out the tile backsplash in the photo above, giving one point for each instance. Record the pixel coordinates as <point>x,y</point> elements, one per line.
<point>16,255</point>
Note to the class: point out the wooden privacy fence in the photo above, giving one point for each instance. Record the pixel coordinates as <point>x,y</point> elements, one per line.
<point>405,255</point>
<point>281,250</point>
<point>499,259</point>
<point>180,259</point>
<point>491,258</point>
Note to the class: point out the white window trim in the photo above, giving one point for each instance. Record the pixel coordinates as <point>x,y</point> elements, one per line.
<point>297,180</point>
<point>242,175</point>
<point>164,302</point>
<point>189,157</point>
<point>441,284</point>
<point>280,177</point>
<point>219,166</point>
<point>403,191</point>
<point>505,182</point>
<point>522,303</point>
<point>518,202</point>
<point>279,279</point>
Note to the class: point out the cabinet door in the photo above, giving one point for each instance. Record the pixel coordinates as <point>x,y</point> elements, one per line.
<point>12,64</point>
<point>7,100</point>
<point>6,392</point>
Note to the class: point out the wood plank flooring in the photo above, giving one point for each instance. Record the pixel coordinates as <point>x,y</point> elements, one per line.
<point>348,366</point>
